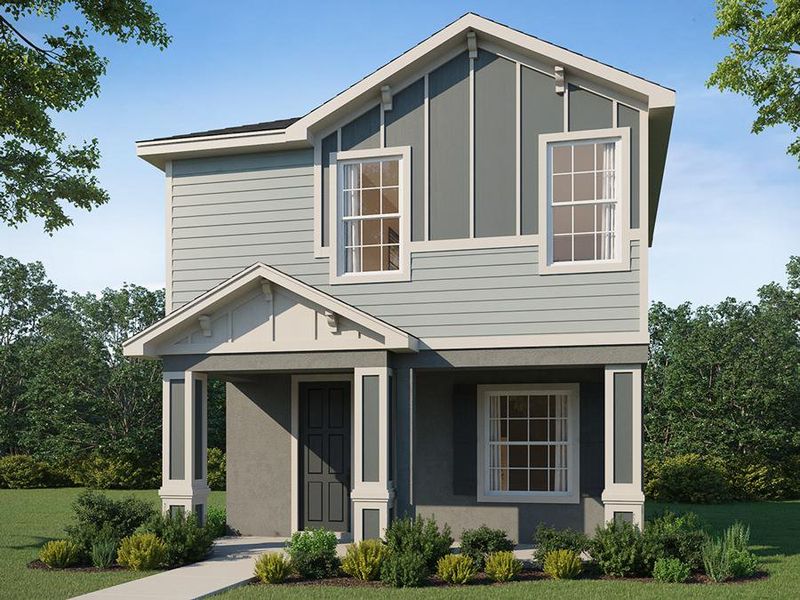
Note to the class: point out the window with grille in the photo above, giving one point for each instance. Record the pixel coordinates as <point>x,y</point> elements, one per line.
<point>584,200</point>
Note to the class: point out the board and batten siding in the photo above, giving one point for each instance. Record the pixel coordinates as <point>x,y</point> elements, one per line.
<point>229,212</point>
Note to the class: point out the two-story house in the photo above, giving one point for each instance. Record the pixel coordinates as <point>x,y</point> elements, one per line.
<point>427,296</point>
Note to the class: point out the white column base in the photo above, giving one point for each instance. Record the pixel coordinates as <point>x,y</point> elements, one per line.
<point>178,494</point>
<point>631,502</point>
<point>371,498</point>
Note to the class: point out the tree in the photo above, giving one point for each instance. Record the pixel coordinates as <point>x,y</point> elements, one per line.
<point>764,60</point>
<point>39,170</point>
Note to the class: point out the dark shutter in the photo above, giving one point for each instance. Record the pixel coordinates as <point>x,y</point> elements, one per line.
<point>465,440</point>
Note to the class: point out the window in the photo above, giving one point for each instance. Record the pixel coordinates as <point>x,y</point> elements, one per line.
<point>586,188</point>
<point>372,198</point>
<point>529,443</point>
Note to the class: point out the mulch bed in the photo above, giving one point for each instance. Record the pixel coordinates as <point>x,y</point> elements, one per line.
<point>37,564</point>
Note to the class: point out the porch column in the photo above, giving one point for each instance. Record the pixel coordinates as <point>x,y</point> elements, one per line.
<point>373,490</point>
<point>184,442</point>
<point>623,497</point>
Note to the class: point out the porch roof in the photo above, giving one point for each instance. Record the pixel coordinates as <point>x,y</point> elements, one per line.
<point>207,325</point>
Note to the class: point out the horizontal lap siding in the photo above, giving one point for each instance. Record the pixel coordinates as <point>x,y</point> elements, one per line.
<point>226,219</point>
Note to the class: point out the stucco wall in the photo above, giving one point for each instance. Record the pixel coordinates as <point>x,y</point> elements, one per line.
<point>258,426</point>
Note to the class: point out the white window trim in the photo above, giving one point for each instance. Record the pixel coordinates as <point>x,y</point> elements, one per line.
<point>337,274</point>
<point>572,495</point>
<point>623,158</point>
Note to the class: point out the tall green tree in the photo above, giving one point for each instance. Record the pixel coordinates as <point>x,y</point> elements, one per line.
<point>39,171</point>
<point>764,60</point>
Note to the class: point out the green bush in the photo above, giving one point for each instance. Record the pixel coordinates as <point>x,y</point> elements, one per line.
<point>185,539</point>
<point>104,551</point>
<point>456,568</point>
<point>95,515</point>
<point>19,471</point>
<point>404,569</point>
<point>728,556</point>
<point>102,472</point>
<point>546,539</point>
<point>688,478</point>
<point>671,570</point>
<point>59,554</point>
<point>216,469</point>
<point>217,521</point>
<point>671,536</point>
<point>313,553</point>
<point>617,549</point>
<point>142,552</point>
<point>562,564</point>
<point>420,536</point>
<point>502,566</point>
<point>761,478</point>
<point>272,567</point>
<point>477,543</point>
<point>364,560</point>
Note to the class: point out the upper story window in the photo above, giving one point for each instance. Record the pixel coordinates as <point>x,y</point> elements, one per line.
<point>529,443</point>
<point>372,201</point>
<point>585,191</point>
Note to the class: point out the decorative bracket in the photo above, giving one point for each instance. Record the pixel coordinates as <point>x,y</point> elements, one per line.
<point>386,97</point>
<point>205,324</point>
<point>333,321</point>
<point>561,84</point>
<point>472,44</point>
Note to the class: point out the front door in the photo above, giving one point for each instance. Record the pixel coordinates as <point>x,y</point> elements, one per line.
<point>325,455</point>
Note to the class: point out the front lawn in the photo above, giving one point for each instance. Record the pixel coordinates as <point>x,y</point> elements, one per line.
<point>29,518</point>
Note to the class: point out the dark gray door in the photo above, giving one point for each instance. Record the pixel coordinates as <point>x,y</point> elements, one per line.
<point>325,455</point>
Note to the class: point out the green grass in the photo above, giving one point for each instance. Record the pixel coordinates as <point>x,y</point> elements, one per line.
<point>775,534</point>
<point>29,518</point>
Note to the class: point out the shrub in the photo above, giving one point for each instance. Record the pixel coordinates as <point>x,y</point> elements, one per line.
<point>364,560</point>
<point>313,553</point>
<point>185,539</point>
<point>102,472</point>
<point>420,536</point>
<point>562,564</point>
<point>671,570</point>
<point>672,536</point>
<point>216,462</point>
<point>96,515</point>
<point>104,551</point>
<point>546,539</point>
<point>729,557</point>
<point>217,521</point>
<point>617,549</point>
<point>502,566</point>
<point>477,543</point>
<point>456,568</point>
<point>22,471</point>
<point>272,567</point>
<point>142,552</point>
<point>59,554</point>
<point>688,478</point>
<point>404,569</point>
<point>766,479</point>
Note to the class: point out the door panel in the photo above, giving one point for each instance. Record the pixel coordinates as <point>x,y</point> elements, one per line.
<point>325,455</point>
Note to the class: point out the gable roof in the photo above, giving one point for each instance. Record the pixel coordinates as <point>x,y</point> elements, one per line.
<point>300,132</point>
<point>144,344</point>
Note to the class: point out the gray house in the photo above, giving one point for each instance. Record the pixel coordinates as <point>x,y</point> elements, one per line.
<point>426,296</point>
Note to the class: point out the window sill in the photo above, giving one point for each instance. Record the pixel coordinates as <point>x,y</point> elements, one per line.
<point>371,277</point>
<point>584,267</point>
<point>532,498</point>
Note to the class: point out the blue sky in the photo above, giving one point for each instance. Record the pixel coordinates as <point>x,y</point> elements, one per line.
<point>730,205</point>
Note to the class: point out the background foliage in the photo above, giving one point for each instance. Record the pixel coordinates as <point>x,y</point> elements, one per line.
<point>67,395</point>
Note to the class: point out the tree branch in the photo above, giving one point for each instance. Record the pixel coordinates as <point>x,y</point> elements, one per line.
<point>48,54</point>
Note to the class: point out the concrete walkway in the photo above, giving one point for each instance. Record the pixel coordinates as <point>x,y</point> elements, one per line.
<point>230,565</point>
